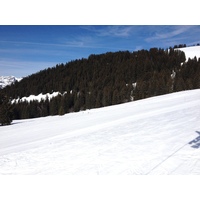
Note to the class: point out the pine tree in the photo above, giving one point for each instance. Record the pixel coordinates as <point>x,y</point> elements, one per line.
<point>5,111</point>
<point>115,98</point>
<point>62,106</point>
<point>54,106</point>
<point>61,110</point>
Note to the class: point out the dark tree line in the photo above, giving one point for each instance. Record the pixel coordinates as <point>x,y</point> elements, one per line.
<point>105,79</point>
<point>5,110</point>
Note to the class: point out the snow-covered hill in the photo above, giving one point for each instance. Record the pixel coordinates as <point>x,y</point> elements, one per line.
<point>7,80</point>
<point>191,52</point>
<point>159,135</point>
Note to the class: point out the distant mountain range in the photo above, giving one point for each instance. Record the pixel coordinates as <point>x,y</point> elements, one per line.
<point>7,80</point>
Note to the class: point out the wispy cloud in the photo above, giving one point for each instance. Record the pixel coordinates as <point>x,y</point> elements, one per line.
<point>68,44</point>
<point>61,44</point>
<point>166,32</point>
<point>113,31</point>
<point>171,35</point>
<point>117,31</point>
<point>81,41</point>
<point>74,42</point>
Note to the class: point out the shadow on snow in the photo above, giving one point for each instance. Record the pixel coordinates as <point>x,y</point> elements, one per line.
<point>196,142</point>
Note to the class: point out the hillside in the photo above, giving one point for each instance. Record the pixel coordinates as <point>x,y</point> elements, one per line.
<point>158,135</point>
<point>104,80</point>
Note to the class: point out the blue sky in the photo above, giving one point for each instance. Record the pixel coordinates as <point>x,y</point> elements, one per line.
<point>28,49</point>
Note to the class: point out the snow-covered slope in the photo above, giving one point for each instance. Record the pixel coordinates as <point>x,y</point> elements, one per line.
<point>191,52</point>
<point>159,135</point>
<point>7,80</point>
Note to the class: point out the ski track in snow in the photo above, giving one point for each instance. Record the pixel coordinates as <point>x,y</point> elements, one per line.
<point>153,136</point>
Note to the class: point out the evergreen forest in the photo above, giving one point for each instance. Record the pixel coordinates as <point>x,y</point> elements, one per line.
<point>103,80</point>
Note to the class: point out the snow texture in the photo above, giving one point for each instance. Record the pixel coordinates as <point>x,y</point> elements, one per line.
<point>154,136</point>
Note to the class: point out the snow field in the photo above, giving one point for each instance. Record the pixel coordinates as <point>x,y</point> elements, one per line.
<point>154,136</point>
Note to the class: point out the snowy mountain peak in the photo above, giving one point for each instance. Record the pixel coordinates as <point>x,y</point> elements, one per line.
<point>7,80</point>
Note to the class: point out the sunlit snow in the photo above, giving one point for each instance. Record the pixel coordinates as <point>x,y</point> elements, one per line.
<point>191,52</point>
<point>159,135</point>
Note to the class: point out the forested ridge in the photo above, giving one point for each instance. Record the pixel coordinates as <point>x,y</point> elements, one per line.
<point>103,80</point>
